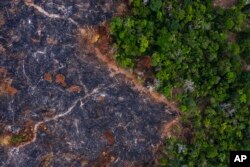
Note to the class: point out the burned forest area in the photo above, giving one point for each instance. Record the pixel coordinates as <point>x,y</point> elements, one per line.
<point>60,104</point>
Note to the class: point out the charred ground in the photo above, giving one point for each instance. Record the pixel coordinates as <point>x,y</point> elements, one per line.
<point>59,104</point>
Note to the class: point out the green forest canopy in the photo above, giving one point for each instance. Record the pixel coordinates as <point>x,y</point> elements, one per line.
<point>202,51</point>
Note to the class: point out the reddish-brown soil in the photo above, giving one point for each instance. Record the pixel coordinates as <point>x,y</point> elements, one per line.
<point>109,136</point>
<point>122,9</point>
<point>2,21</point>
<point>6,83</point>
<point>51,41</point>
<point>224,3</point>
<point>60,79</point>
<point>47,77</point>
<point>171,128</point>
<point>74,89</point>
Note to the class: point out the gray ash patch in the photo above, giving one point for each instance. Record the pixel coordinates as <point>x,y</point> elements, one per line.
<point>82,115</point>
<point>82,11</point>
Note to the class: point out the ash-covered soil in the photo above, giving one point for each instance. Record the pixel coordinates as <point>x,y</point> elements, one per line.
<point>60,106</point>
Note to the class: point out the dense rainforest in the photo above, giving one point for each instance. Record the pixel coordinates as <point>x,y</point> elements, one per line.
<point>199,58</point>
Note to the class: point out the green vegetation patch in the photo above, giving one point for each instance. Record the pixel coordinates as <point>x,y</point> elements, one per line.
<point>201,51</point>
<point>17,139</point>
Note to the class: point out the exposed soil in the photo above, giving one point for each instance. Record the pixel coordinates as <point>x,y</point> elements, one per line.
<point>6,87</point>
<point>224,3</point>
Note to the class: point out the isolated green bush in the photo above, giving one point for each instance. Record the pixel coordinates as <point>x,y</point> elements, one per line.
<point>201,50</point>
